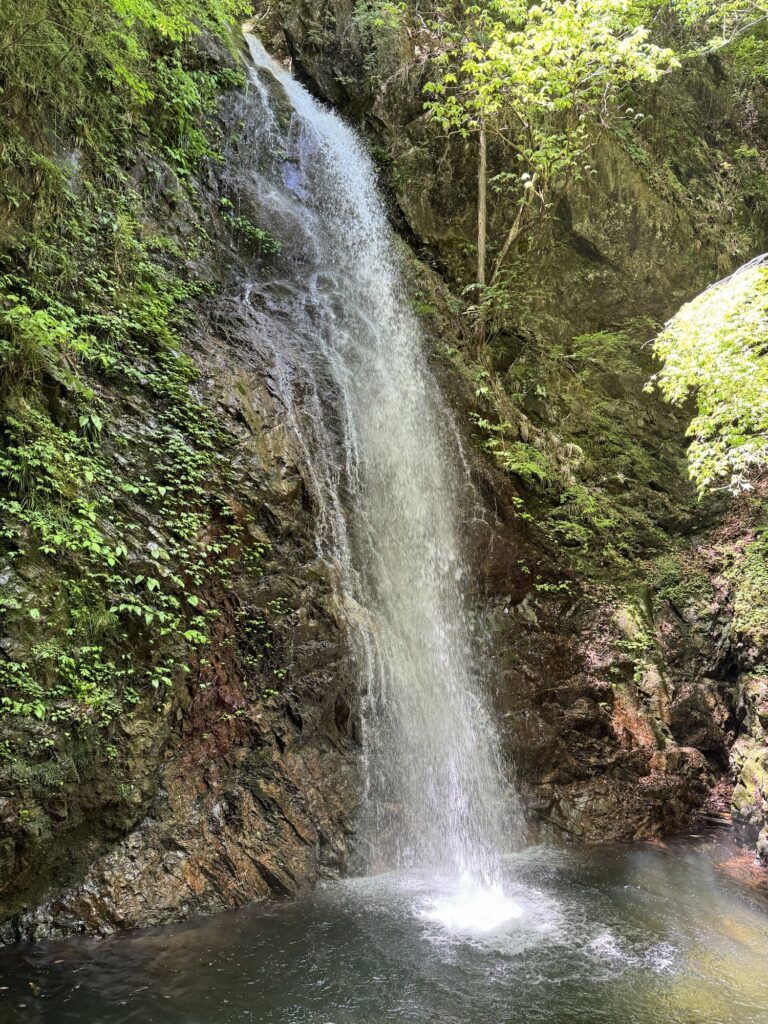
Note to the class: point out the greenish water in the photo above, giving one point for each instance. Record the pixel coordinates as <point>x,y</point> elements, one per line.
<point>674,934</point>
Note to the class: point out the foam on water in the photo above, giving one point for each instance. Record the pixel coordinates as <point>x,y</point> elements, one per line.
<point>605,937</point>
<point>472,909</point>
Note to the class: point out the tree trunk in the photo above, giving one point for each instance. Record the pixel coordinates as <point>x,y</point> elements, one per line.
<point>482,205</point>
<point>482,230</point>
<point>514,232</point>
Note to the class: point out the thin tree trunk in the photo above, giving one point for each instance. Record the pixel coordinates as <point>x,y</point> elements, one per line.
<point>482,229</point>
<point>514,233</point>
<point>509,241</point>
<point>482,205</point>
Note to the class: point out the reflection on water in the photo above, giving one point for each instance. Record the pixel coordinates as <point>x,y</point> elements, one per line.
<point>624,935</point>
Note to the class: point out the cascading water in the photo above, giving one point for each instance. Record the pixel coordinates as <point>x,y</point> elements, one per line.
<point>384,466</point>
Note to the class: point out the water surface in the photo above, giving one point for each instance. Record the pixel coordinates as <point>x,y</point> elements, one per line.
<point>674,934</point>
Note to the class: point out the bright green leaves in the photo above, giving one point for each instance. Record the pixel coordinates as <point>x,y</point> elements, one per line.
<point>540,83</point>
<point>124,526</point>
<point>95,71</point>
<point>509,66</point>
<point>715,349</point>
<point>33,339</point>
<point>185,98</point>
<point>539,77</point>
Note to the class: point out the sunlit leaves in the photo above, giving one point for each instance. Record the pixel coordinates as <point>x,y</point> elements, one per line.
<point>716,350</point>
<point>506,63</point>
<point>93,69</point>
<point>541,81</point>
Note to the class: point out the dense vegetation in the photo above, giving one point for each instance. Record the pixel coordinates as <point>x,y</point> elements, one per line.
<point>544,82</point>
<point>542,87</point>
<point>715,349</point>
<point>94,296</point>
<point>108,537</point>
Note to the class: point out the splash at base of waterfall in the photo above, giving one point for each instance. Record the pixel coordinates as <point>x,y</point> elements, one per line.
<point>472,909</point>
<point>624,935</point>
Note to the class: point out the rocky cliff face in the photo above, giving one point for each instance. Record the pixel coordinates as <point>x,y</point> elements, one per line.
<point>234,776</point>
<point>242,781</point>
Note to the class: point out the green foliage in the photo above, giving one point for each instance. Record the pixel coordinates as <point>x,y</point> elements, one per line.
<point>749,577</point>
<point>103,73</point>
<point>541,80</point>
<point>370,15</point>
<point>748,58</point>
<point>74,500</point>
<point>714,349</point>
<point>379,24</point>
<point>563,421</point>
<point>718,23</point>
<point>423,306</point>
<point>677,578</point>
<point>540,77</point>
<point>517,457</point>
<point>255,238</point>
<point>511,67</point>
<point>111,541</point>
<point>497,304</point>
<point>637,639</point>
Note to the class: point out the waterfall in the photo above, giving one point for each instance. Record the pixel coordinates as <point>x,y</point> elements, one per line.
<point>388,480</point>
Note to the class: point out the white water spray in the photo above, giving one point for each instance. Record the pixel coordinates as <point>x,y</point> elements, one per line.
<point>381,455</point>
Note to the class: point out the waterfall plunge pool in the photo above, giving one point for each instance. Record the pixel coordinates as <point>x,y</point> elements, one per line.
<point>646,934</point>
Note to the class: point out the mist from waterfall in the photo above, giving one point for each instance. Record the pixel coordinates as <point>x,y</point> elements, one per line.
<point>388,480</point>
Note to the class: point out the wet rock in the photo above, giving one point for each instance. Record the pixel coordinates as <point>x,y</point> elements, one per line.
<point>243,781</point>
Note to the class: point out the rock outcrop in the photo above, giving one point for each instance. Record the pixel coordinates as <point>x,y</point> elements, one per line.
<point>236,778</point>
